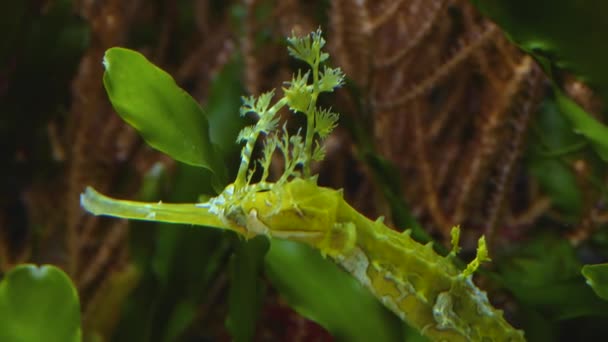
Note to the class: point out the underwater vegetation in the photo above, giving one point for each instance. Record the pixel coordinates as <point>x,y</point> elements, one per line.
<point>459,194</point>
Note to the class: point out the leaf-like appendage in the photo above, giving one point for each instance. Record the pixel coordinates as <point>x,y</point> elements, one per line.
<point>482,256</point>
<point>318,153</point>
<point>248,105</point>
<point>455,233</point>
<point>325,122</point>
<point>297,93</point>
<point>330,78</point>
<point>308,48</point>
<point>263,102</point>
<point>245,134</point>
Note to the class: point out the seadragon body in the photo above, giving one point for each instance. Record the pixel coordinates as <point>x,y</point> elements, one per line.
<point>421,287</point>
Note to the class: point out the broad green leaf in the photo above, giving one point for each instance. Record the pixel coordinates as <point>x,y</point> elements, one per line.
<point>317,289</point>
<point>38,304</point>
<point>553,135</point>
<point>569,34</point>
<point>223,105</point>
<point>544,273</point>
<point>167,117</point>
<point>559,183</point>
<point>246,288</point>
<point>552,140</point>
<point>584,124</point>
<point>597,278</point>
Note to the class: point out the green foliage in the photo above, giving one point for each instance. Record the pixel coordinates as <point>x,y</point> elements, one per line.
<point>597,278</point>
<point>552,143</point>
<point>167,117</point>
<point>177,264</point>
<point>567,34</point>
<point>544,274</point>
<point>585,124</point>
<point>224,94</point>
<point>319,290</point>
<point>38,304</point>
<point>246,288</point>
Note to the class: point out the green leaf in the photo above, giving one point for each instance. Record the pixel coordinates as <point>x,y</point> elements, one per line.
<point>317,289</point>
<point>223,105</point>
<point>38,304</point>
<point>553,132</point>
<point>167,117</point>
<point>584,124</point>
<point>569,34</point>
<point>559,182</point>
<point>550,143</point>
<point>246,288</point>
<point>544,274</point>
<point>597,278</point>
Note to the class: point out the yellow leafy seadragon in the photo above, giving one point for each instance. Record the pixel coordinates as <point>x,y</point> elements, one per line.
<point>423,288</point>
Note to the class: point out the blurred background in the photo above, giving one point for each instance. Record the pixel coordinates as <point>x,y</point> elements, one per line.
<point>444,121</point>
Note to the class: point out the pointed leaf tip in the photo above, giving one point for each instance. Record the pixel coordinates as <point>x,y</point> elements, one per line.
<point>597,277</point>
